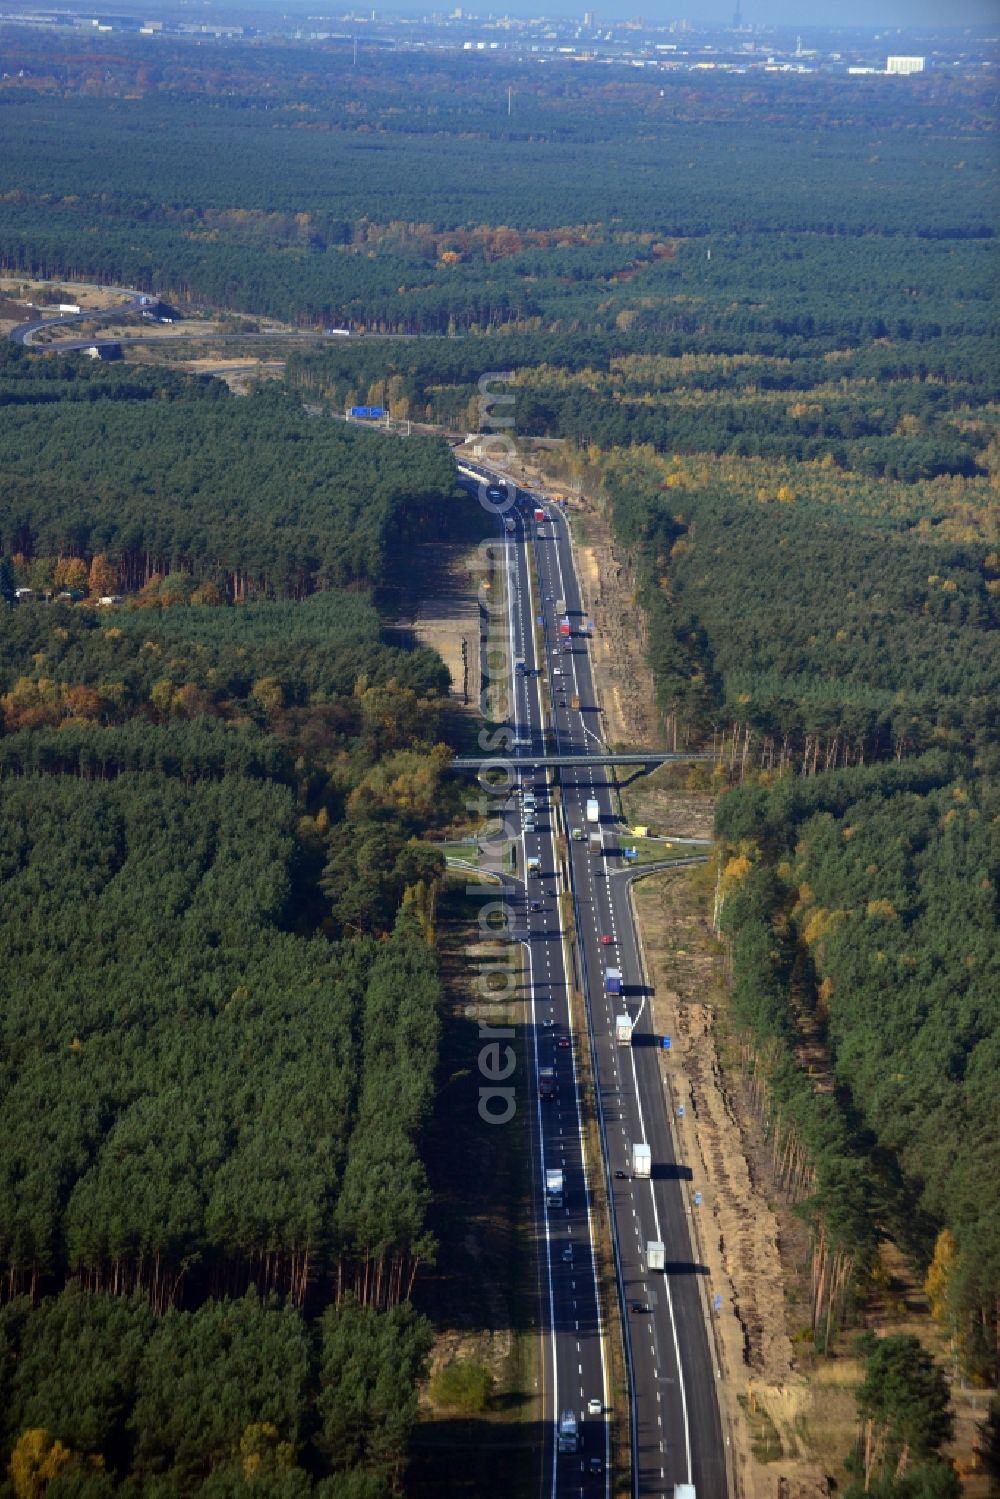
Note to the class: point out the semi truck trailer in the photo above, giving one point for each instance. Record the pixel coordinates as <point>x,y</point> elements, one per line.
<point>642,1160</point>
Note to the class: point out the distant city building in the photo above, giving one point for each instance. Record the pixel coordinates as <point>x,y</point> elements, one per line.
<point>588,19</point>
<point>904,64</point>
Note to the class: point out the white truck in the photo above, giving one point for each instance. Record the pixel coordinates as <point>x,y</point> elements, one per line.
<point>642,1160</point>
<point>684,1491</point>
<point>567,1432</point>
<point>623,1029</point>
<point>656,1258</point>
<point>554,1188</point>
<point>534,864</point>
<point>593,810</point>
<point>596,844</point>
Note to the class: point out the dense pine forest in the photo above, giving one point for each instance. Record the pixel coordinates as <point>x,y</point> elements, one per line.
<point>754,317</point>
<point>221,1002</point>
<point>162,476</point>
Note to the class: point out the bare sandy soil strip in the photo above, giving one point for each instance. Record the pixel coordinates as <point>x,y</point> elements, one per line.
<point>448,615</point>
<point>622,679</point>
<point>738,1234</point>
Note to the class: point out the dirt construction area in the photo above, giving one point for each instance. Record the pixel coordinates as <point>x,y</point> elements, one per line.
<point>447,616</point>
<point>622,679</point>
<point>769,1406</point>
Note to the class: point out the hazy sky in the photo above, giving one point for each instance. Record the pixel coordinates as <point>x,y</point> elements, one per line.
<point>919,13</point>
<point>861,12</point>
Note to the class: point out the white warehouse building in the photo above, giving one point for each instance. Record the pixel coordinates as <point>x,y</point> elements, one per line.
<point>904,64</point>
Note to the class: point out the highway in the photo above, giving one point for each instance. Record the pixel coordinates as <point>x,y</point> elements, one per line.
<point>677,1436</point>
<point>24,332</point>
<point>573,1349</point>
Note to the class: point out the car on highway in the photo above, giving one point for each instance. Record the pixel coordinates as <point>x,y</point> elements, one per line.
<point>557,671</point>
<point>595,1467</point>
<point>621,1175</point>
<point>567,1254</point>
<point>606,941</point>
<point>563,1043</point>
<point>595,1407</point>
<point>637,1306</point>
<point>536,905</point>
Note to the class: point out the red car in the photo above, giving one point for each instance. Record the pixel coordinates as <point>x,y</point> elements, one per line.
<point>606,941</point>
<point>563,1043</point>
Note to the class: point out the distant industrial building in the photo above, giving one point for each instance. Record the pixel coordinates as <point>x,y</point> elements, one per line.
<point>904,64</point>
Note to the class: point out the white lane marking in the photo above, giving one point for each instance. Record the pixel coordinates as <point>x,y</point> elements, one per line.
<point>541,1149</point>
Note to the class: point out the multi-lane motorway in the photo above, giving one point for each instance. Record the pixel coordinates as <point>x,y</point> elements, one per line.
<point>575,1372</point>
<point>677,1437</point>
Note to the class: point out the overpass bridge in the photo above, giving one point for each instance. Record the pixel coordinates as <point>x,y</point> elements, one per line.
<point>532,760</point>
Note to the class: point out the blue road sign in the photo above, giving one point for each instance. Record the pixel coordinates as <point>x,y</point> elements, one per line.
<point>697,1199</point>
<point>680,1111</point>
<point>665,1043</point>
<point>718,1303</point>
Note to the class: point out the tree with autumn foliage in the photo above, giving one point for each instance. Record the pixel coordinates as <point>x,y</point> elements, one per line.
<point>103,576</point>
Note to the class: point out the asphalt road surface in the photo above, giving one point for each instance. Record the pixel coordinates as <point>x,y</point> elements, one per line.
<point>677,1436</point>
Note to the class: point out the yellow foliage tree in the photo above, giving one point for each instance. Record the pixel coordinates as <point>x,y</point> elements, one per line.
<point>71,572</point>
<point>37,1459</point>
<point>820,924</point>
<point>263,1453</point>
<point>103,577</point>
<point>735,871</point>
<point>939,1275</point>
<point>207,596</point>
<point>160,694</point>
<point>269,692</point>
<point>823,994</point>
